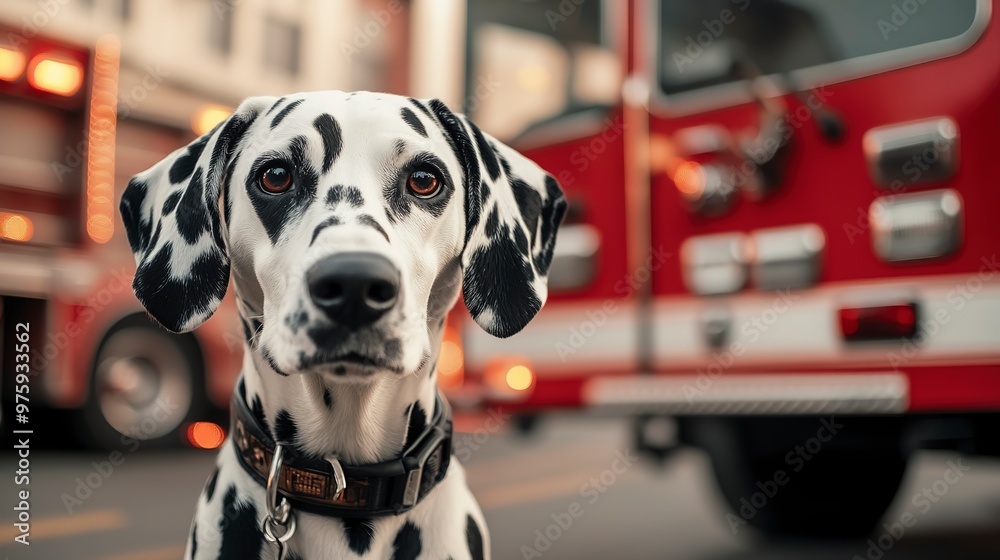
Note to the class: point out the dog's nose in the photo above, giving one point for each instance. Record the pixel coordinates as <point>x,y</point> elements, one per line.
<point>354,289</point>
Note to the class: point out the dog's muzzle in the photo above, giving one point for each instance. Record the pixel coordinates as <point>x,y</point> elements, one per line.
<point>353,289</point>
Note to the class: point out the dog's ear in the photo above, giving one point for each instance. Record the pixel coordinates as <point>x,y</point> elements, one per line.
<point>512,211</point>
<point>171,216</point>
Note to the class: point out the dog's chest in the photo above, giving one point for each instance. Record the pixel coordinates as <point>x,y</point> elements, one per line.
<point>447,524</point>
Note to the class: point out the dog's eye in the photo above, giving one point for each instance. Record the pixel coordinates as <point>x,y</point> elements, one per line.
<point>276,179</point>
<point>423,184</point>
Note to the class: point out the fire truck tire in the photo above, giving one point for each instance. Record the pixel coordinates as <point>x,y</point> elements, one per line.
<point>778,476</point>
<point>145,385</point>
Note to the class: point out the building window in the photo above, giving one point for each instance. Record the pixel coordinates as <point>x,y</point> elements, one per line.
<point>281,50</point>
<point>221,26</point>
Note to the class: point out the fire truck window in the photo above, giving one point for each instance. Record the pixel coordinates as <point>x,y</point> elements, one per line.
<point>534,62</point>
<point>705,43</point>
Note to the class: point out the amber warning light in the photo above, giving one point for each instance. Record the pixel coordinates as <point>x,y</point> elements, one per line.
<point>11,64</point>
<point>50,73</point>
<point>15,227</point>
<point>205,435</point>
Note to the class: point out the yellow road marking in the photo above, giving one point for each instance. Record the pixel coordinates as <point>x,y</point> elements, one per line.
<point>535,490</point>
<point>66,525</point>
<point>170,552</point>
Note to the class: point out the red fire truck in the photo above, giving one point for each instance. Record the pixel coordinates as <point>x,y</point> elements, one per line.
<point>782,244</point>
<point>65,266</point>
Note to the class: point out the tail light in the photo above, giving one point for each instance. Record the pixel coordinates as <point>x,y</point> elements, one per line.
<point>509,379</point>
<point>886,322</point>
<point>54,74</point>
<point>11,64</point>
<point>15,227</point>
<point>205,435</point>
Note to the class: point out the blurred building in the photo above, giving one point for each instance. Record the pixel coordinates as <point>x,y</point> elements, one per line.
<point>177,56</point>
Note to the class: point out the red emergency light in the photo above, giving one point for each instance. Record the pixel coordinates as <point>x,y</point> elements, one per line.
<point>885,322</point>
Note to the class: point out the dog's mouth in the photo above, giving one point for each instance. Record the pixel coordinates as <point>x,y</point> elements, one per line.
<point>347,364</point>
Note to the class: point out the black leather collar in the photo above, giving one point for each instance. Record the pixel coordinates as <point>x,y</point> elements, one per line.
<point>380,489</point>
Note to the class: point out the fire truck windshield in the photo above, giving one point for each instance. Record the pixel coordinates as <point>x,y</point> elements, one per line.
<point>699,42</point>
<point>524,61</point>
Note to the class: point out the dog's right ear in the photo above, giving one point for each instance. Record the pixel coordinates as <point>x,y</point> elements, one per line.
<point>171,216</point>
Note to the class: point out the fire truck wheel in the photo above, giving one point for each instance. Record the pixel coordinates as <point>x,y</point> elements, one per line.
<point>830,477</point>
<point>146,383</point>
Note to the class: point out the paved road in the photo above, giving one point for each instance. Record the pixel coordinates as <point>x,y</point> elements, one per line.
<point>141,510</point>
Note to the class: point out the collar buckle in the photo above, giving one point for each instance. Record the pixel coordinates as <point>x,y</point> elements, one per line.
<point>338,476</point>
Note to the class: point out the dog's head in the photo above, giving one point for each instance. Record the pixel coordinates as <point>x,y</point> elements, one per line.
<point>349,222</point>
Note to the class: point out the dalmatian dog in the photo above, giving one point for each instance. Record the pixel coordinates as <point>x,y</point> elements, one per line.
<point>349,224</point>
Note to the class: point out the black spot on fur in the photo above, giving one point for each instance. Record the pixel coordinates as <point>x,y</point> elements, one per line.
<point>340,193</point>
<point>275,106</point>
<point>136,229</point>
<point>170,203</point>
<point>194,540</point>
<point>413,120</point>
<point>474,537</point>
<point>340,370</point>
<point>493,224</point>
<point>210,485</point>
<point>509,295</point>
<point>354,198</point>
<point>530,204</point>
<point>465,153</point>
<point>521,240</point>
<point>278,211</point>
<point>270,361</point>
<point>285,430</point>
<point>284,113</point>
<point>551,215</point>
<point>257,409</point>
<point>420,107</point>
<point>503,162</point>
<point>327,398</point>
<point>368,220</point>
<point>486,152</point>
<point>331,221</point>
<point>407,544</point>
<point>185,164</point>
<point>360,533</point>
<point>172,301</point>
<point>417,424</point>
<point>229,137</point>
<point>329,131</point>
<point>192,218</point>
<point>241,535</point>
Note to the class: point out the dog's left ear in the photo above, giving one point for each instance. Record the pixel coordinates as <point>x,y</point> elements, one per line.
<point>512,211</point>
<point>171,216</point>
